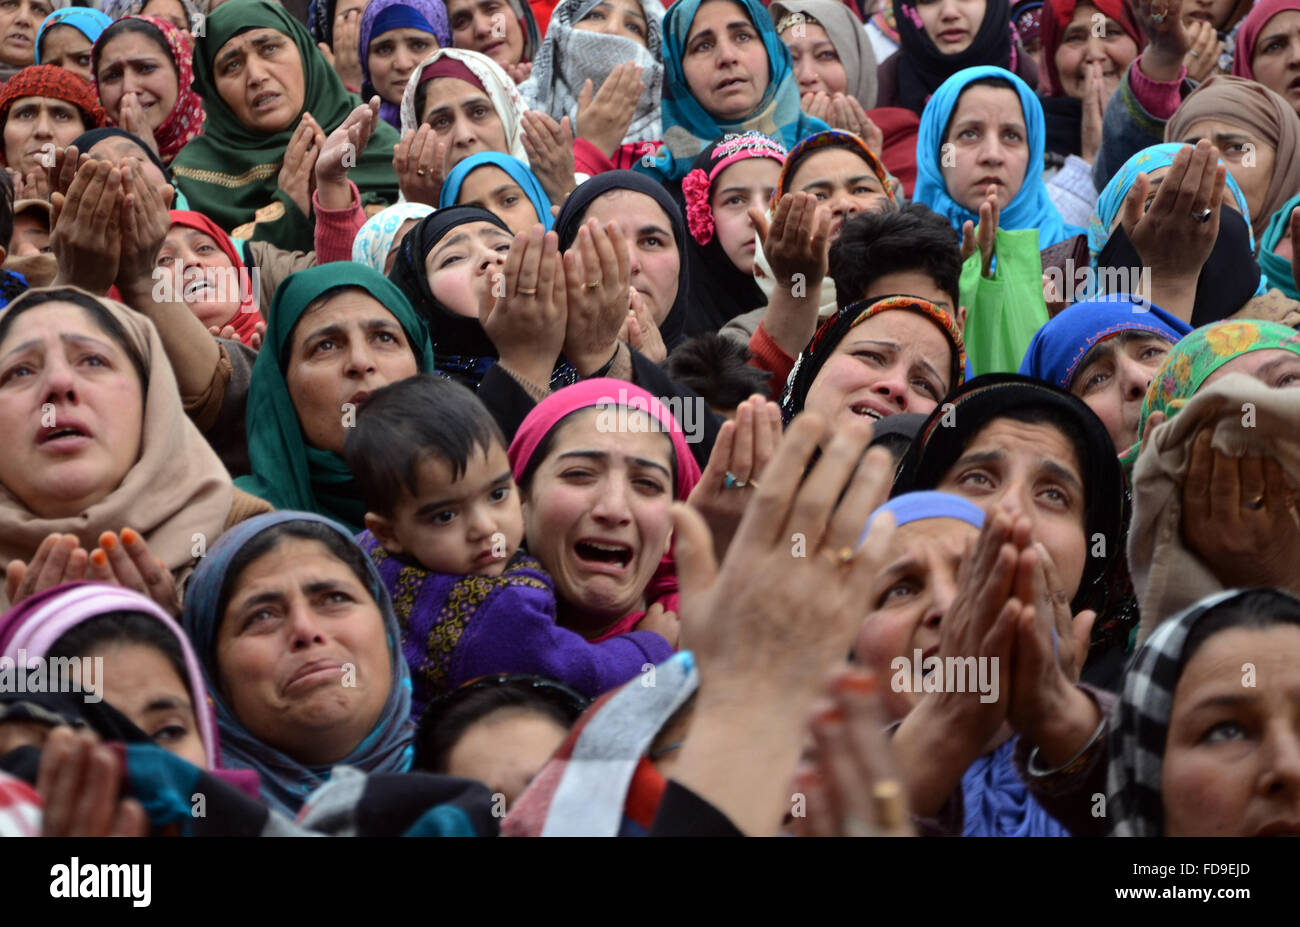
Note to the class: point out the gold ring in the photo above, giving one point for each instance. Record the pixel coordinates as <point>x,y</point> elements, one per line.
<point>887,798</point>
<point>1256,503</point>
<point>842,557</point>
<point>420,172</point>
<point>593,286</point>
<point>522,292</point>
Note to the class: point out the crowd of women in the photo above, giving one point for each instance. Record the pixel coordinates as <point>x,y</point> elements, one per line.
<point>599,417</point>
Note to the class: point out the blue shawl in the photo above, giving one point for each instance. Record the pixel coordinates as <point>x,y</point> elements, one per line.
<point>1032,207</point>
<point>518,172</point>
<point>996,802</point>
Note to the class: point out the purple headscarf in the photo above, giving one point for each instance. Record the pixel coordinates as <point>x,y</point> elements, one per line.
<point>384,15</point>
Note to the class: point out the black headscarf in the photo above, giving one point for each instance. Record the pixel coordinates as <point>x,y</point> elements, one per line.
<point>574,211</point>
<point>1105,586</point>
<point>922,67</point>
<point>1062,117</point>
<point>88,140</point>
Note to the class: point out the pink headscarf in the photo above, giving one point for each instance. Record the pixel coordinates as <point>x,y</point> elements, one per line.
<point>36,623</point>
<point>1248,33</point>
<point>612,394</point>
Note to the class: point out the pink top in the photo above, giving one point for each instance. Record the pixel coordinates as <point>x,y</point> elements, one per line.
<point>1158,97</point>
<point>335,228</point>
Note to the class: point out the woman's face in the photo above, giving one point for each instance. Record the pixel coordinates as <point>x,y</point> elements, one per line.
<point>841,180</point>
<point>461,265</point>
<point>67,48</point>
<point>135,63</point>
<point>259,75</point>
<point>496,191</point>
<point>909,600</point>
<point>655,264</point>
<point>987,145</point>
<point>31,236</point>
<point>1113,379</point>
<point>463,117</point>
<point>36,126</point>
<point>817,65</point>
<point>1081,46</point>
<point>121,149</point>
<point>505,750</point>
<point>951,24</point>
<point>302,653</point>
<point>623,18</point>
<point>1232,754</point>
<point>1030,470</point>
<point>489,27</point>
<point>396,246</point>
<point>596,514</point>
<point>393,56</point>
<point>895,361</point>
<point>1276,61</point>
<point>725,63</point>
<point>1277,368</point>
<point>733,193</point>
<point>72,405</point>
<point>1214,12</point>
<point>343,348</point>
<point>19,20</point>
<point>1248,157</point>
<point>141,683</point>
<point>171,10</point>
<point>210,283</point>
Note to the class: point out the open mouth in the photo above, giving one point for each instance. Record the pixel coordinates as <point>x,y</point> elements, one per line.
<point>868,411</point>
<point>604,552</point>
<point>61,433</point>
<point>18,38</point>
<point>197,290</point>
<point>731,83</point>
<point>265,101</point>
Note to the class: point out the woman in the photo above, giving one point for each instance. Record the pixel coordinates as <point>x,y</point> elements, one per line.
<point>1276,251</point>
<point>18,22</point>
<point>596,501</point>
<point>941,37</point>
<point>149,671</point>
<point>229,173</point>
<point>119,452</point>
<point>477,26</point>
<point>727,178</point>
<point>144,76</point>
<point>1258,133</point>
<point>1265,49</point>
<point>43,108</point>
<point>67,36</point>
<point>1042,453</point>
<point>829,50</point>
<point>704,40</point>
<point>290,708</point>
<point>585,41</point>
<point>502,185</point>
<point>379,240</point>
<point>878,358</point>
<point>337,332</point>
<point>114,144</point>
<point>396,35</point>
<point>205,268</point>
<point>1105,351</point>
<point>185,15</point>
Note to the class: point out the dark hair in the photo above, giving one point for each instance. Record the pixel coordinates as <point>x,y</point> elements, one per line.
<point>716,367</point>
<point>448,717</point>
<point>6,209</point>
<point>547,444</point>
<point>999,82</point>
<point>124,627</point>
<point>139,27</point>
<point>1253,610</point>
<point>102,317</point>
<point>405,422</point>
<point>342,548</point>
<point>913,237</point>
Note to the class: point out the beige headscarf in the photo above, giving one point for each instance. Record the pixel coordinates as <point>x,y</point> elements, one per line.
<point>1258,110</point>
<point>177,490</point>
<point>847,35</point>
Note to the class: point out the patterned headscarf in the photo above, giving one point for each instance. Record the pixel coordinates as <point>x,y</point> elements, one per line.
<point>89,23</point>
<point>696,185</point>
<point>831,138</point>
<point>49,80</point>
<point>185,121</point>
<point>498,86</point>
<point>375,239</point>
<point>427,15</point>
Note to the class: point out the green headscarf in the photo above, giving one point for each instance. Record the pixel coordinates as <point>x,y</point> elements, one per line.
<point>1276,270</point>
<point>287,472</point>
<point>230,172</point>
<point>1191,361</point>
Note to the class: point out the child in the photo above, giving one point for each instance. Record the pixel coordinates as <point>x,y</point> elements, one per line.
<point>445,523</point>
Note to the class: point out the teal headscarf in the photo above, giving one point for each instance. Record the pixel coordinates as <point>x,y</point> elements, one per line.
<point>688,127</point>
<point>1032,206</point>
<point>518,172</point>
<point>1277,270</point>
<point>287,472</point>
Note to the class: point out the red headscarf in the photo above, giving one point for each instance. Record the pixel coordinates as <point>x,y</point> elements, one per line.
<point>247,315</point>
<point>185,121</point>
<point>1057,15</point>
<point>1249,30</point>
<point>49,80</point>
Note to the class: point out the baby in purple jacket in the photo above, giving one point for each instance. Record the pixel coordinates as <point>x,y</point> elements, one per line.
<point>444,525</point>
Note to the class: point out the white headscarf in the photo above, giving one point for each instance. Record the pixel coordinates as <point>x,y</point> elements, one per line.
<point>500,89</point>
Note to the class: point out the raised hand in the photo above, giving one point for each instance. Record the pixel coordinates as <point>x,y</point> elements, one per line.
<point>85,227</point>
<point>340,151</point>
<point>549,146</point>
<point>421,161</point>
<point>145,223</point>
<point>985,239</point>
<point>797,245</point>
<point>603,118</point>
<point>345,56</point>
<point>1094,108</point>
<point>300,162</point>
<point>520,72</point>
<point>662,622</point>
<point>125,560</point>
<point>596,272</point>
<point>229,333</point>
<point>80,784</point>
<point>640,331</point>
<point>133,119</point>
<point>1168,236</point>
<point>59,559</point>
<point>1202,56</point>
<point>1167,38</point>
<point>526,311</point>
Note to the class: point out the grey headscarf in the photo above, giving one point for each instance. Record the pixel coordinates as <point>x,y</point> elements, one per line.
<point>570,56</point>
<point>847,35</point>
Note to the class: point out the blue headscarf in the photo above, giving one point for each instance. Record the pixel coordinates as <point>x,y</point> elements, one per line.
<point>518,172</point>
<point>1058,347</point>
<point>921,504</point>
<point>286,783</point>
<point>1032,207</point>
<point>688,128</point>
<point>1145,161</point>
<point>90,23</point>
<point>1276,270</point>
